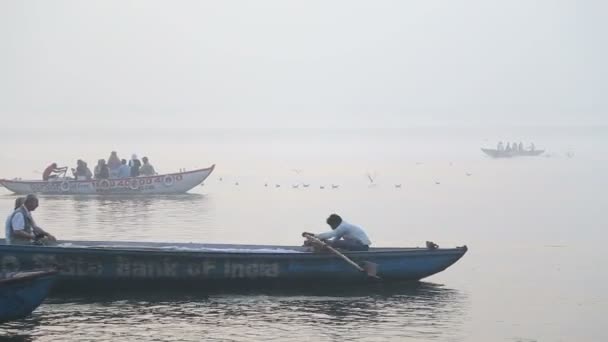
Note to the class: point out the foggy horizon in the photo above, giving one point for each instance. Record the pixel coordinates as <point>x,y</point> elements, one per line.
<point>338,64</point>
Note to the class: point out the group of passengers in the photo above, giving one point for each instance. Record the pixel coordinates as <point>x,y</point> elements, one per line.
<point>515,147</point>
<point>112,169</point>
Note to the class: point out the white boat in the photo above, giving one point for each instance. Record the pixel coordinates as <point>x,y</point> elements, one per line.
<point>510,154</point>
<point>170,183</point>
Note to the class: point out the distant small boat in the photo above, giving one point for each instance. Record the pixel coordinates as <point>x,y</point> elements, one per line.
<point>494,153</point>
<point>22,292</point>
<point>172,183</point>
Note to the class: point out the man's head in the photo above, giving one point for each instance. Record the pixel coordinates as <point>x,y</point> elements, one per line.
<point>54,165</point>
<point>334,221</point>
<point>19,202</point>
<point>31,202</point>
<point>145,160</point>
<point>123,162</point>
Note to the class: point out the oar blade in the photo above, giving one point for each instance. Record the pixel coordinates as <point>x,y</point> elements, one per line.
<point>370,268</point>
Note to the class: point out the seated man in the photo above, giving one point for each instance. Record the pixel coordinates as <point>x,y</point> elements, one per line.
<point>82,171</point>
<point>345,235</point>
<point>124,171</point>
<point>52,171</point>
<point>7,224</point>
<point>147,169</point>
<point>22,228</point>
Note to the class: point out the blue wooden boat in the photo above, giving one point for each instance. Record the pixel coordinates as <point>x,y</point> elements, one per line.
<point>22,292</point>
<point>105,265</point>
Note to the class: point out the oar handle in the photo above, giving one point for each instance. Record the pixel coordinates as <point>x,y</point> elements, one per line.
<point>316,240</point>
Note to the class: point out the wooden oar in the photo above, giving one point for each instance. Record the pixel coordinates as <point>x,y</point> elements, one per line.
<point>368,268</point>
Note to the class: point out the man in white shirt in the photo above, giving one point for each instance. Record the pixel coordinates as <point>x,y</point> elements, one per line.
<point>345,235</point>
<point>22,229</point>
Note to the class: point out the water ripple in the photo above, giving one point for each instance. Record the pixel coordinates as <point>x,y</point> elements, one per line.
<point>396,312</point>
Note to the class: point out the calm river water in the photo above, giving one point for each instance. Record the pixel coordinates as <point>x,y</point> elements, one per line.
<point>535,228</point>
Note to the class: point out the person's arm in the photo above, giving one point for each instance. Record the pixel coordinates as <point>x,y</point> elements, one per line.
<point>39,232</point>
<point>335,234</point>
<point>18,226</point>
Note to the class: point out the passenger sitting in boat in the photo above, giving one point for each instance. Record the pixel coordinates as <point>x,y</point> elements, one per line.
<point>52,171</point>
<point>521,147</point>
<point>508,148</point>
<point>113,164</point>
<point>134,164</point>
<point>514,147</point>
<point>147,169</point>
<point>500,146</point>
<point>101,170</point>
<point>124,171</point>
<point>82,171</point>
<point>345,235</point>
<point>22,228</point>
<point>7,224</point>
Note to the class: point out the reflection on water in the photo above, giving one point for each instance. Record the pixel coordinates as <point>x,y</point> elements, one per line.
<point>121,217</point>
<point>383,312</point>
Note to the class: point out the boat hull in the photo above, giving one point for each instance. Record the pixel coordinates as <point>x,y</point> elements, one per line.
<point>20,294</point>
<point>510,154</point>
<point>149,265</point>
<point>172,183</point>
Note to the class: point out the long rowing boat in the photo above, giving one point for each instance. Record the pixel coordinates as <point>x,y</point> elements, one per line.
<point>107,265</point>
<point>171,183</point>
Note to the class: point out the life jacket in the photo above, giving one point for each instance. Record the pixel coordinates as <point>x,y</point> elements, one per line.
<point>27,227</point>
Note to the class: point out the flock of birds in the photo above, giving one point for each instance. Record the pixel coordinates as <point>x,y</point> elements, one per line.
<point>370,177</point>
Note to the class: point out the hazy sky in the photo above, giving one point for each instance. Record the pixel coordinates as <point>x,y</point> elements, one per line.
<point>125,64</point>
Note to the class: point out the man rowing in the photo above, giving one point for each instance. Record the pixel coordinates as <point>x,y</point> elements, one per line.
<point>52,171</point>
<point>344,235</point>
